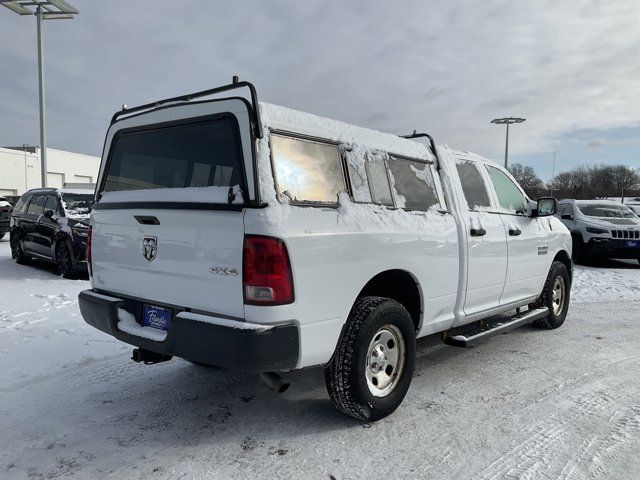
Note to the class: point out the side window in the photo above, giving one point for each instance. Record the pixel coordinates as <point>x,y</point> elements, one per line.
<point>379,181</point>
<point>22,203</point>
<point>52,204</point>
<point>565,210</point>
<point>509,196</point>
<point>36,207</point>
<point>413,183</point>
<point>473,186</point>
<point>306,170</point>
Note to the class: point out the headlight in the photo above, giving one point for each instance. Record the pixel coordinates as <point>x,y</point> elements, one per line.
<point>596,230</point>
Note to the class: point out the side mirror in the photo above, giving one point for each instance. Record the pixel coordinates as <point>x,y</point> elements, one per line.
<point>566,216</point>
<point>48,213</point>
<point>546,206</point>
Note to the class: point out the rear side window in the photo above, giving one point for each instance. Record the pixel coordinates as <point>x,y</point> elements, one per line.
<point>36,207</point>
<point>52,204</point>
<point>414,184</point>
<point>201,154</point>
<point>509,196</point>
<point>473,186</point>
<point>307,171</point>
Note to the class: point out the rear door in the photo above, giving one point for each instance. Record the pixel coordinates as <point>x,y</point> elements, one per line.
<point>486,241</point>
<point>29,221</point>
<point>527,240</point>
<point>168,224</point>
<point>46,226</point>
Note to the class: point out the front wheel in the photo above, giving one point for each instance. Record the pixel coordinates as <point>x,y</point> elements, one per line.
<point>372,366</point>
<point>17,250</point>
<point>2,235</point>
<point>555,296</point>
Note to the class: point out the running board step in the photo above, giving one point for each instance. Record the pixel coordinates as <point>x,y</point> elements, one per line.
<point>471,335</point>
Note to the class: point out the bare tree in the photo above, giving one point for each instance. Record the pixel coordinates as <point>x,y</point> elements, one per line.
<point>528,179</point>
<point>624,178</point>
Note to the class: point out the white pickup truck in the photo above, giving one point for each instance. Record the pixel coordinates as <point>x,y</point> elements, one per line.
<point>250,236</point>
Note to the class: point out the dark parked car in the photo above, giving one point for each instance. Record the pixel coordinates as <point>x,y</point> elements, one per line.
<point>5,216</point>
<point>52,225</point>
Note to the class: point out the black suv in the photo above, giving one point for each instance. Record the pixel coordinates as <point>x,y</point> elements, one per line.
<point>52,225</point>
<point>5,216</point>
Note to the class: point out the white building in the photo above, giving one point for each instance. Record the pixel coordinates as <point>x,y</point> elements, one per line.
<point>20,169</point>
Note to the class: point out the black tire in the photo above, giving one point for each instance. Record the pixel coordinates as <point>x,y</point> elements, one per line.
<point>346,373</point>
<point>64,263</point>
<point>557,313</point>
<point>17,250</point>
<point>578,254</point>
<point>2,235</point>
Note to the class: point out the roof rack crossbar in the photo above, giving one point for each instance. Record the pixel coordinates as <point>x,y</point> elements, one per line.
<point>257,123</point>
<point>415,134</point>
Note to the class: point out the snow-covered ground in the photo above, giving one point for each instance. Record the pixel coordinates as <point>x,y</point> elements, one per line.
<point>530,404</point>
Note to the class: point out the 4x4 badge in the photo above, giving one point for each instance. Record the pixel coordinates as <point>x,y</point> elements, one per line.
<point>149,247</point>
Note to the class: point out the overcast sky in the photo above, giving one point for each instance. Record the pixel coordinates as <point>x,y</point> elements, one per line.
<point>571,68</point>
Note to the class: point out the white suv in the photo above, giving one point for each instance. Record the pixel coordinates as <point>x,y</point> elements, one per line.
<point>255,237</point>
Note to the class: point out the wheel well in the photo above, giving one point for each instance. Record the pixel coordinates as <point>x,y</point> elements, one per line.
<point>563,257</point>
<point>400,286</point>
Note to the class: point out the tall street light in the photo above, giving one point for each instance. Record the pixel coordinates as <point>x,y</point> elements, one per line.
<point>507,121</point>
<point>43,10</point>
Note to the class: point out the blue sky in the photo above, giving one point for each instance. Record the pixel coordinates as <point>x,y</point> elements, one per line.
<point>570,68</point>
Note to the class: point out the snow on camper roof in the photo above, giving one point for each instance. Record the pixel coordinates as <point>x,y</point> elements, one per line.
<point>282,118</point>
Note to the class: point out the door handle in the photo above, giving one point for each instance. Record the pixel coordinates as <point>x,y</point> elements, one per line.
<point>478,232</point>
<point>514,232</point>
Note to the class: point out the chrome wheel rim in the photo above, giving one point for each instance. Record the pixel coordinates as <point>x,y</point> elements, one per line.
<point>558,295</point>
<point>385,361</point>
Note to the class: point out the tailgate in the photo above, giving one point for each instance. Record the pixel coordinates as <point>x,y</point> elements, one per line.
<point>189,259</point>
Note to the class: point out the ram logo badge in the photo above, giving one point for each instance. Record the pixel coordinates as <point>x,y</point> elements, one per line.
<point>149,248</point>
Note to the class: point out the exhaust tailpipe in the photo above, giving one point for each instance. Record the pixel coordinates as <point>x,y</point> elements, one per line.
<point>148,357</point>
<point>275,382</point>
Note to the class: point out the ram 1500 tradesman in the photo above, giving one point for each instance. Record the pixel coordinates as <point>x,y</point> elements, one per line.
<point>250,236</point>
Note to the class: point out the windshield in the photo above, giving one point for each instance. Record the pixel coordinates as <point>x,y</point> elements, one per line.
<point>200,154</point>
<point>76,204</point>
<point>605,210</point>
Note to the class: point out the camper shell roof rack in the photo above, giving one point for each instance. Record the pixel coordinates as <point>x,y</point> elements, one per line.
<point>235,84</point>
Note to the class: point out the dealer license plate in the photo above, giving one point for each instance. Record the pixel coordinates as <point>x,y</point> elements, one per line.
<point>632,243</point>
<point>156,317</point>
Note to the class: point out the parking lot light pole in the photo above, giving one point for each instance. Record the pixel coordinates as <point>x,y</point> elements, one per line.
<point>43,10</point>
<point>507,121</point>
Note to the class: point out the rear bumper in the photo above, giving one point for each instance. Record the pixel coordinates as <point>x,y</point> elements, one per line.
<point>276,349</point>
<point>612,248</point>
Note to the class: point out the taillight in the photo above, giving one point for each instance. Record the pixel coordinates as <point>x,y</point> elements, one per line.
<point>89,250</point>
<point>266,271</point>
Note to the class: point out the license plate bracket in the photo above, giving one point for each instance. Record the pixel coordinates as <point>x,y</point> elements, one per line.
<point>156,317</point>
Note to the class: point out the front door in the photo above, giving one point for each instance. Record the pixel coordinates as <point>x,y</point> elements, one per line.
<point>486,241</point>
<point>526,240</point>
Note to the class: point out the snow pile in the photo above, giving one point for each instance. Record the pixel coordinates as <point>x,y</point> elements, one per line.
<point>274,116</point>
<point>360,145</point>
<point>127,323</point>
<point>599,285</point>
<point>211,194</point>
<point>367,217</point>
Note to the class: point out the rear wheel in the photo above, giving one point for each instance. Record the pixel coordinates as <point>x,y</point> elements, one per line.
<point>555,296</point>
<point>64,264</point>
<point>17,249</point>
<point>371,369</point>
